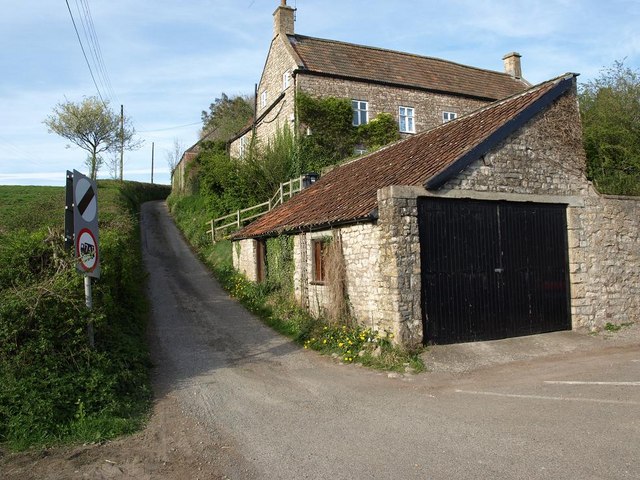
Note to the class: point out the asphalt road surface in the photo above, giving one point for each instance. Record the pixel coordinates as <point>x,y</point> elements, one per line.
<point>276,411</point>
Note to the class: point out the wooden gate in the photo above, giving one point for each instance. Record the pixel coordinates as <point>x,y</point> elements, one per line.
<point>492,269</point>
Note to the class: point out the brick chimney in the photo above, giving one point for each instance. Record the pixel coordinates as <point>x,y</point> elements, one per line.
<point>512,64</point>
<point>283,19</point>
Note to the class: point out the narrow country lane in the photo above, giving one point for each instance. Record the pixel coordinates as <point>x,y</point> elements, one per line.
<point>276,411</point>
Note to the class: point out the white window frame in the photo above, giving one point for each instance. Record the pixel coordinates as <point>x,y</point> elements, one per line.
<point>286,80</point>
<point>448,116</point>
<point>360,109</point>
<point>407,119</point>
<point>263,99</point>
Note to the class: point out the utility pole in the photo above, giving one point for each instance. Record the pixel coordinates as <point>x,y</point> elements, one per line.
<point>121,142</point>
<point>152,151</point>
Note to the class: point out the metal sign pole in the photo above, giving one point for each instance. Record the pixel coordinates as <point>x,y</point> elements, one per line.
<point>84,204</point>
<point>88,297</point>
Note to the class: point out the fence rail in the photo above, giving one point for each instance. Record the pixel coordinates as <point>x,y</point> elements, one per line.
<point>284,192</point>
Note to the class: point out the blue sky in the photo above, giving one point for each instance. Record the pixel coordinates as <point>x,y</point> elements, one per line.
<point>167,60</point>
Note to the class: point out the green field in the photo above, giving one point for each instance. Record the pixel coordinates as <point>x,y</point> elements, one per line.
<point>53,386</point>
<point>30,208</point>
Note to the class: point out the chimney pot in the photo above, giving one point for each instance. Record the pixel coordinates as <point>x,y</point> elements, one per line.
<point>512,64</point>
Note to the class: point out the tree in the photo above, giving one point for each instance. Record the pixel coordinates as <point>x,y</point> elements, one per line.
<point>175,154</point>
<point>92,126</point>
<point>610,111</point>
<point>226,117</point>
<point>113,164</point>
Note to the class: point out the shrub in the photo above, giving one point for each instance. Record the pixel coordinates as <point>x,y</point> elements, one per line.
<point>54,386</point>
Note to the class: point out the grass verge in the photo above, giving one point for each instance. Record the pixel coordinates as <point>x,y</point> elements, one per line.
<point>54,388</point>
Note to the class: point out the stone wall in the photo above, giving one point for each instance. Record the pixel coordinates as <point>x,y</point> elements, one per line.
<point>545,157</point>
<point>279,61</point>
<point>244,257</point>
<point>400,279</point>
<point>361,252</point>
<point>606,286</point>
<point>428,106</point>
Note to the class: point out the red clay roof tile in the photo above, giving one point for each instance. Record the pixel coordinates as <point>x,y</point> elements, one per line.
<point>342,59</point>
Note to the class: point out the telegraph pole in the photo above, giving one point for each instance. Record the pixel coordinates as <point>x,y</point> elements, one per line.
<point>152,151</point>
<point>121,142</point>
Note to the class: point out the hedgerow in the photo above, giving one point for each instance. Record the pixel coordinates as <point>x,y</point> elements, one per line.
<point>53,386</point>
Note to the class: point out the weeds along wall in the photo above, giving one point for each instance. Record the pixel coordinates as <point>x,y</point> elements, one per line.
<point>280,263</point>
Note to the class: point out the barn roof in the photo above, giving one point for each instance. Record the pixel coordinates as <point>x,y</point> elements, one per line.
<point>358,62</point>
<point>348,194</point>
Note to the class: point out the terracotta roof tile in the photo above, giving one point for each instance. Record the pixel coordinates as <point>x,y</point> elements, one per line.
<point>349,192</point>
<point>375,64</point>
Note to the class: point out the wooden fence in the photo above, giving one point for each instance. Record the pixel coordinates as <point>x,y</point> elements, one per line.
<point>229,223</point>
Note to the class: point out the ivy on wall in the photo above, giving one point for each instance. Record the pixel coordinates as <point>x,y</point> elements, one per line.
<point>328,135</point>
<point>378,132</point>
<point>280,263</point>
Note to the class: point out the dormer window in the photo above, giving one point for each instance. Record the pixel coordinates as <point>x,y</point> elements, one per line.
<point>286,80</point>
<point>263,99</point>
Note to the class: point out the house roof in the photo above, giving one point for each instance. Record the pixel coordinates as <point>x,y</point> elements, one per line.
<point>348,194</point>
<point>329,57</point>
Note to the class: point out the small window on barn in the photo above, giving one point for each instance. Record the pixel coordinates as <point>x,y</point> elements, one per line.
<point>360,112</point>
<point>286,80</point>
<point>319,248</point>
<point>448,116</point>
<point>263,99</point>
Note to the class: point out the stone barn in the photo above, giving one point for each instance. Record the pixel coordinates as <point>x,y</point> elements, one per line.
<point>482,228</point>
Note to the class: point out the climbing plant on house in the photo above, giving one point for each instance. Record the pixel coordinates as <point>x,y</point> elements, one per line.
<point>326,131</point>
<point>327,134</point>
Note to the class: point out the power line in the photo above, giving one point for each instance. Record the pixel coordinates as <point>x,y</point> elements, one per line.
<point>170,128</point>
<point>88,42</point>
<point>85,54</point>
<point>97,50</point>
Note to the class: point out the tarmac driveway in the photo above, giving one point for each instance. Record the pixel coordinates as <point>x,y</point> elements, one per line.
<point>276,411</point>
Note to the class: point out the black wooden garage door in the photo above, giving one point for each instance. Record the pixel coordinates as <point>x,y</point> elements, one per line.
<point>492,269</point>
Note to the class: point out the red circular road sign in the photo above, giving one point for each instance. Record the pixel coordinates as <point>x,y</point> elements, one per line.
<point>87,250</point>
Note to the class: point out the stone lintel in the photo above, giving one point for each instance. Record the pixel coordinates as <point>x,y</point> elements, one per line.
<point>407,191</point>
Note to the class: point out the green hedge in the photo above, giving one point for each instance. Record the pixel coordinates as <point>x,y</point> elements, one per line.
<point>54,387</point>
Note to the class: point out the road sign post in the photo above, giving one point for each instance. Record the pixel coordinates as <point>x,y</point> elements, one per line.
<point>81,232</point>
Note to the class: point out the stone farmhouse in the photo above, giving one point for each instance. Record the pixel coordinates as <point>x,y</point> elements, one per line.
<point>420,92</point>
<point>481,228</point>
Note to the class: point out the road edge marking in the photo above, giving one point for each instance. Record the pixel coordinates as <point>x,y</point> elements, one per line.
<point>544,397</point>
